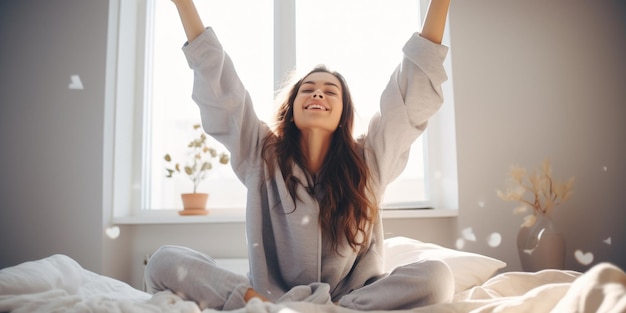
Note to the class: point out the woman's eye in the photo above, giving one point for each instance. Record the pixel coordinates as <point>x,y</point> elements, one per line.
<point>331,93</point>
<point>306,91</point>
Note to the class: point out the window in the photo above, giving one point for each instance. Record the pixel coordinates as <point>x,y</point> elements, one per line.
<point>171,112</point>
<point>265,40</point>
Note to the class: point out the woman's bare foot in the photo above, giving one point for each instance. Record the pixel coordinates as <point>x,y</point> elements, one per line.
<point>251,293</point>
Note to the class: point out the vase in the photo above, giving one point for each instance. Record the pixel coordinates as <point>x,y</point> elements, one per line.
<point>541,246</point>
<point>194,204</point>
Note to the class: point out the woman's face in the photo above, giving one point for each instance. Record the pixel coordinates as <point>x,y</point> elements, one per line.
<point>318,104</point>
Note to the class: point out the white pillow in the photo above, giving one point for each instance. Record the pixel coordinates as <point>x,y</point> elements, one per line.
<point>469,269</point>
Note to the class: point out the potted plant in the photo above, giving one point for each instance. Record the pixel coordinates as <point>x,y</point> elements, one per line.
<point>199,162</point>
<point>539,242</point>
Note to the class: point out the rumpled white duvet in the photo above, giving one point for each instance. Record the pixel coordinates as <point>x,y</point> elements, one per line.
<point>59,284</point>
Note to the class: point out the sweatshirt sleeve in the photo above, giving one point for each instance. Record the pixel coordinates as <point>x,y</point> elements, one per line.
<point>411,97</point>
<point>225,105</point>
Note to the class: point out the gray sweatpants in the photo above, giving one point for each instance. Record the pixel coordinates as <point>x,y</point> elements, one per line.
<point>195,276</point>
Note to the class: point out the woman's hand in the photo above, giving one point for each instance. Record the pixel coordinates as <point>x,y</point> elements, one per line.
<point>435,21</point>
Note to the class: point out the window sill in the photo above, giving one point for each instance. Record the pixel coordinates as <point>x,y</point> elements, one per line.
<point>419,213</point>
<point>172,217</point>
<point>238,216</point>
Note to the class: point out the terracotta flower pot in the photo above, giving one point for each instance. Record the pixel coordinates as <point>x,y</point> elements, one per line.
<point>194,204</point>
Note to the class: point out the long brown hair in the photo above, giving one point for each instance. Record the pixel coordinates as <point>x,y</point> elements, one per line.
<point>345,209</point>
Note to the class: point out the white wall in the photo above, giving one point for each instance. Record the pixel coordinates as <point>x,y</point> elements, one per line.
<point>532,80</point>
<point>536,79</point>
<point>51,137</point>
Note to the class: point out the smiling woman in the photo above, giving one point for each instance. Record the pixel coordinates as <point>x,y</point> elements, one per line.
<point>313,190</point>
<point>309,167</point>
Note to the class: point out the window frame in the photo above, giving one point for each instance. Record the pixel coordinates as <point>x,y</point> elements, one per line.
<point>126,69</point>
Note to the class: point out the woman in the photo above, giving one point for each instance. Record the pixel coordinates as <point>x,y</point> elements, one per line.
<point>313,227</point>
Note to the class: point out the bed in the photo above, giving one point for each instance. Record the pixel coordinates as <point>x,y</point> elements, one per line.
<point>59,284</point>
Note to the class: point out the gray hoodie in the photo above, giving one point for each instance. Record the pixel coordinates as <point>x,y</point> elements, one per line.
<point>285,245</point>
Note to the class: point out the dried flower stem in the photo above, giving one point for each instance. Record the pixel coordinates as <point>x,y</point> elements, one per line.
<point>546,193</point>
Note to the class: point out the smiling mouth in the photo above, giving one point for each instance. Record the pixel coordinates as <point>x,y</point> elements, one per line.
<point>316,107</point>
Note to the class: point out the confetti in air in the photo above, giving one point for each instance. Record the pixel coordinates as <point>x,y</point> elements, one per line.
<point>468,234</point>
<point>460,244</point>
<point>306,220</point>
<point>494,240</point>
<point>584,258</point>
<point>112,232</point>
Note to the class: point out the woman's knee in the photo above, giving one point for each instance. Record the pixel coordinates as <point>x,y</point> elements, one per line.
<point>165,263</point>
<point>162,256</point>
<point>433,273</point>
<point>164,252</point>
<point>443,281</point>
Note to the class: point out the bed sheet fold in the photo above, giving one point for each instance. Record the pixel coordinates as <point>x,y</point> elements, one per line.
<point>60,284</point>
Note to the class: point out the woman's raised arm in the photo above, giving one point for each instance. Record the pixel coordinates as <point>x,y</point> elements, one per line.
<point>190,18</point>
<point>435,21</point>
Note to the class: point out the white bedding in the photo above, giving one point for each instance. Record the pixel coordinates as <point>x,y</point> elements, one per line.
<point>59,284</point>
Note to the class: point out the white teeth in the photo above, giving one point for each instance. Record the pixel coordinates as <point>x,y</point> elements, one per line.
<point>315,107</point>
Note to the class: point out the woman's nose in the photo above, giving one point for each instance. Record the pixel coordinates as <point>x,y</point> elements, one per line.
<point>318,94</point>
